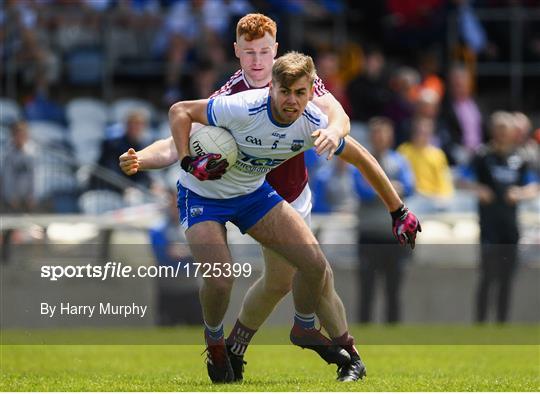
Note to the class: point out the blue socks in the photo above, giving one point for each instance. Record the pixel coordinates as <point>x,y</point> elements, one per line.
<point>214,333</point>
<point>306,321</point>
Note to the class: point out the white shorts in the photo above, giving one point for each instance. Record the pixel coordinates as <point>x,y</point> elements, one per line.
<point>303,205</point>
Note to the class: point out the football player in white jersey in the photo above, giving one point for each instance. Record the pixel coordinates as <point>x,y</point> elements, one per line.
<point>256,48</point>
<point>263,142</point>
<point>260,211</point>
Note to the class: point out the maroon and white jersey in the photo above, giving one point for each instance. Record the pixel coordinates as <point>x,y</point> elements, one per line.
<point>291,177</point>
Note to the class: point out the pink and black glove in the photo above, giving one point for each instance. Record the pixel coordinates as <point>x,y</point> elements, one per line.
<point>405,225</point>
<point>205,167</point>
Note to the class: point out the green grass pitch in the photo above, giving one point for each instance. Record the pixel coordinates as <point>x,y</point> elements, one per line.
<point>391,367</point>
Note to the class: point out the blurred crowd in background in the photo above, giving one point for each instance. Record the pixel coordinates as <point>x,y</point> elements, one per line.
<point>83,80</point>
<point>87,79</point>
<point>431,88</point>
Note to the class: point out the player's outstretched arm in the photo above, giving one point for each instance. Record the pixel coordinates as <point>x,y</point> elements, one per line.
<point>160,154</point>
<point>339,125</point>
<point>405,225</point>
<point>358,156</point>
<point>181,117</point>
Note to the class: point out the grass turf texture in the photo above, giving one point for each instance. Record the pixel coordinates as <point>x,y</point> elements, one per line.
<point>274,367</point>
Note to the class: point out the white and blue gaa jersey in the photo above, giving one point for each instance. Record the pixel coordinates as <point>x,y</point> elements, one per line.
<point>263,143</point>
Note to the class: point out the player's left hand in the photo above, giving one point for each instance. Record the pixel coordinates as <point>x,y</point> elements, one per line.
<point>405,226</point>
<point>205,167</point>
<point>326,140</point>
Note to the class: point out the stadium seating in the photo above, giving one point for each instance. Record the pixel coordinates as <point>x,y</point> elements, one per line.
<point>47,133</point>
<point>122,107</point>
<point>86,140</point>
<point>10,111</point>
<point>95,202</point>
<point>86,110</point>
<point>51,179</point>
<point>85,67</point>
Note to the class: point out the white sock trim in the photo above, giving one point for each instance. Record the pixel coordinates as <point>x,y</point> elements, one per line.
<point>214,329</point>
<point>303,316</point>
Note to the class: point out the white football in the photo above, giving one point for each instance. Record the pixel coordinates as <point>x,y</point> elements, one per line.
<point>211,139</point>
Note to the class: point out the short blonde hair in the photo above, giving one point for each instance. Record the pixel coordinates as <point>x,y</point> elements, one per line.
<point>501,120</point>
<point>292,66</point>
<point>254,26</point>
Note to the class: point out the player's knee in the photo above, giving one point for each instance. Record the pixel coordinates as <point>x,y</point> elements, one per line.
<point>313,263</point>
<point>315,271</point>
<point>220,285</point>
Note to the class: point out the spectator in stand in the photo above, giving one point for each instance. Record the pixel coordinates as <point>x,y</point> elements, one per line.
<point>429,165</point>
<point>400,107</point>
<point>111,149</point>
<point>17,176</point>
<point>462,117</point>
<point>170,248</point>
<point>428,65</point>
<point>369,93</point>
<point>427,105</point>
<point>204,81</point>
<point>42,107</point>
<point>378,254</point>
<point>331,187</point>
<point>27,43</point>
<point>501,179</point>
<point>80,24</point>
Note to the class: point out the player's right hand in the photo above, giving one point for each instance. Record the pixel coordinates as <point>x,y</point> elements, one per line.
<point>405,226</point>
<point>326,140</point>
<point>129,162</point>
<point>205,167</point>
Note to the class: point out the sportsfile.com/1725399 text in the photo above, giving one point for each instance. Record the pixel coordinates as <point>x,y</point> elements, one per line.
<point>119,270</point>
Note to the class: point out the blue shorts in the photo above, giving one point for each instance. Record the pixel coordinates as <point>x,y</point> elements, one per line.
<point>243,211</point>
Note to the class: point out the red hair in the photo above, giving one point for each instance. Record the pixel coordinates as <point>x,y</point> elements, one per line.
<point>254,26</point>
